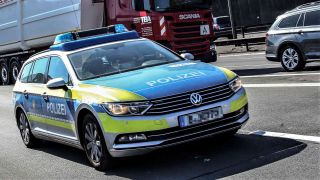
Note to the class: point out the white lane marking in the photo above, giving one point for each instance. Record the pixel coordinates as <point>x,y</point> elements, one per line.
<point>242,54</point>
<point>283,85</point>
<point>253,65</point>
<point>280,75</point>
<point>314,139</point>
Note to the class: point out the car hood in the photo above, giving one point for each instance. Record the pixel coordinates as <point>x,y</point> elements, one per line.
<point>165,80</point>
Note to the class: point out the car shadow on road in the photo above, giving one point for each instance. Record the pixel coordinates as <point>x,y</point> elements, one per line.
<point>210,158</point>
<point>266,71</point>
<point>213,157</point>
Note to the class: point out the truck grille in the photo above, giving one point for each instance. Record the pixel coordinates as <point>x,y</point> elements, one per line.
<point>186,38</point>
<point>182,102</point>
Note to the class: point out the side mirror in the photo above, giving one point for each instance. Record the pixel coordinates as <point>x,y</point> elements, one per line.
<point>57,83</point>
<point>188,56</point>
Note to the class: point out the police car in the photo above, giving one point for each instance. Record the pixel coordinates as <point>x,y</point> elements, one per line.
<point>114,94</point>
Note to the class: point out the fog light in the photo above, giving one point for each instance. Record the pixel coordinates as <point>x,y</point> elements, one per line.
<point>132,138</point>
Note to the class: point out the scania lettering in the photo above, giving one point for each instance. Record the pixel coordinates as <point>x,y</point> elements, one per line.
<point>87,93</point>
<point>183,26</point>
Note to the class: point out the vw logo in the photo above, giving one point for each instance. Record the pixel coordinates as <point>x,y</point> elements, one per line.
<point>196,99</point>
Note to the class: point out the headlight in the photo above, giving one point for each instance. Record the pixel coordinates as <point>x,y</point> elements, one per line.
<point>127,109</point>
<point>235,84</point>
<point>213,47</point>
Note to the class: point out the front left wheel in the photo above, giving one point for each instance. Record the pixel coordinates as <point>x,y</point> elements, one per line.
<point>94,144</point>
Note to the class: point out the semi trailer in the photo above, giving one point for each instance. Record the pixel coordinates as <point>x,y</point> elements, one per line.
<point>30,26</point>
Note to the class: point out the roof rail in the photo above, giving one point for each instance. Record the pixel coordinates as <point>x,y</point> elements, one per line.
<point>308,5</point>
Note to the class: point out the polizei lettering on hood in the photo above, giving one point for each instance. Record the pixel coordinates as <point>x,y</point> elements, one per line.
<point>189,16</point>
<point>175,78</point>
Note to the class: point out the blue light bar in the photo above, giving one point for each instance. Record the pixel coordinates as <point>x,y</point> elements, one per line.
<point>120,28</point>
<point>62,38</point>
<point>95,40</point>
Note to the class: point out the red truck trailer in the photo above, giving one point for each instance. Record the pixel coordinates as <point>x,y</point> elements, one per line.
<point>182,25</point>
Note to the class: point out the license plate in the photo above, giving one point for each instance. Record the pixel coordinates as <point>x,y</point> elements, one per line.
<point>200,117</point>
<point>204,30</point>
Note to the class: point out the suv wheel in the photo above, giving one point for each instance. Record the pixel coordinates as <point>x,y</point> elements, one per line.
<point>27,137</point>
<point>94,145</point>
<point>291,59</point>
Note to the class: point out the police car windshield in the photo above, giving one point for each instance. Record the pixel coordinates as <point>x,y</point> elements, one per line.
<point>119,57</point>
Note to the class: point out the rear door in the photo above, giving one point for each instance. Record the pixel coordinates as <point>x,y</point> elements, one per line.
<point>33,93</point>
<point>309,35</point>
<point>58,105</point>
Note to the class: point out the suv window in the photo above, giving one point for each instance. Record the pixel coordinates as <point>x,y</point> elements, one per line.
<point>57,69</point>
<point>25,73</point>
<point>290,21</point>
<point>39,70</point>
<point>312,18</point>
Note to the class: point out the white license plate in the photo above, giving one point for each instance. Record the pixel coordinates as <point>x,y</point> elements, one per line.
<point>200,117</point>
<point>204,30</point>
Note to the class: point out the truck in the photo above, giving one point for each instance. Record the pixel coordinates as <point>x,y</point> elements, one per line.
<point>30,26</point>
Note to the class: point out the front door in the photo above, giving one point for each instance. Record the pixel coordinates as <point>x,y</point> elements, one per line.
<point>57,105</point>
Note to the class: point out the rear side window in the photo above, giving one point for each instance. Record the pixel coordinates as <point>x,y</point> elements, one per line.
<point>312,18</point>
<point>25,73</point>
<point>39,70</point>
<point>289,22</point>
<point>57,69</point>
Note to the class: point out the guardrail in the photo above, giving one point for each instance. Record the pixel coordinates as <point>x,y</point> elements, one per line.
<point>242,41</point>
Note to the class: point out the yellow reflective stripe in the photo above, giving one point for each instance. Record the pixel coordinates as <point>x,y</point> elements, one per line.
<point>239,103</point>
<point>51,122</point>
<point>229,74</point>
<point>130,126</point>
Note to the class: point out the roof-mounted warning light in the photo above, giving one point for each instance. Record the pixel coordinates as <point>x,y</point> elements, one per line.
<point>71,36</point>
<point>76,40</point>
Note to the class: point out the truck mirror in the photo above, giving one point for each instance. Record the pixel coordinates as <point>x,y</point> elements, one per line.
<point>188,56</point>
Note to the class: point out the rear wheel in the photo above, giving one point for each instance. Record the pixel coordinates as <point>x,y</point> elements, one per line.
<point>94,144</point>
<point>14,69</point>
<point>4,70</point>
<point>27,137</point>
<point>291,59</point>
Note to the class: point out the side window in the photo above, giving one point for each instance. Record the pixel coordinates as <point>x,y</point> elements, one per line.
<point>301,20</point>
<point>25,73</point>
<point>57,69</point>
<point>312,18</point>
<point>39,70</point>
<point>290,21</point>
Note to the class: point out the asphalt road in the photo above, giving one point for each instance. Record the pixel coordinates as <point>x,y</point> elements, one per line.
<point>281,102</point>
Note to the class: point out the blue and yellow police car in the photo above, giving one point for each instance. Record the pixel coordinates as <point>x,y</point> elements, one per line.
<point>113,94</point>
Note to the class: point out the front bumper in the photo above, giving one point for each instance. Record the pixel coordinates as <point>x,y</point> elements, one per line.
<point>173,136</point>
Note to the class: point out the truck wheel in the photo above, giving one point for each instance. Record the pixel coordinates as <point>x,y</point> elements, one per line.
<point>94,144</point>
<point>15,69</point>
<point>4,70</point>
<point>291,59</point>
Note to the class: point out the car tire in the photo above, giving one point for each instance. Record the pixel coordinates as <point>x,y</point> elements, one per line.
<point>25,131</point>
<point>292,59</point>
<point>94,144</point>
<point>14,71</point>
<point>4,73</point>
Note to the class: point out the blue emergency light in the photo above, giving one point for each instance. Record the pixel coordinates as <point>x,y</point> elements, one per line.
<point>76,40</point>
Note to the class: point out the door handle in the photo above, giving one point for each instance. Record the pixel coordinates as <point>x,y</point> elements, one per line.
<point>25,93</point>
<point>45,97</point>
<point>300,32</point>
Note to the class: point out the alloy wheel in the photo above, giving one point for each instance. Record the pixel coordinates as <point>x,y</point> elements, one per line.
<point>24,128</point>
<point>93,142</point>
<point>290,58</point>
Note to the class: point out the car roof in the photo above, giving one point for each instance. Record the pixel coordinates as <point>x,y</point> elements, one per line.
<point>304,7</point>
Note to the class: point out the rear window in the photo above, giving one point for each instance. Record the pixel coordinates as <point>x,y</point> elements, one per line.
<point>289,22</point>
<point>312,18</point>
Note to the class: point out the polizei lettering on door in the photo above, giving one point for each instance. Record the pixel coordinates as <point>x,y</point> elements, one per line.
<point>175,78</point>
<point>56,108</point>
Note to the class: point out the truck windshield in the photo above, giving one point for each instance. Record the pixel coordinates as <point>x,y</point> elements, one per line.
<point>120,57</point>
<point>181,5</point>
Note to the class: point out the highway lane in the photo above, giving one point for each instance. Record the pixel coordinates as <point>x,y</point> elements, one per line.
<point>289,110</point>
